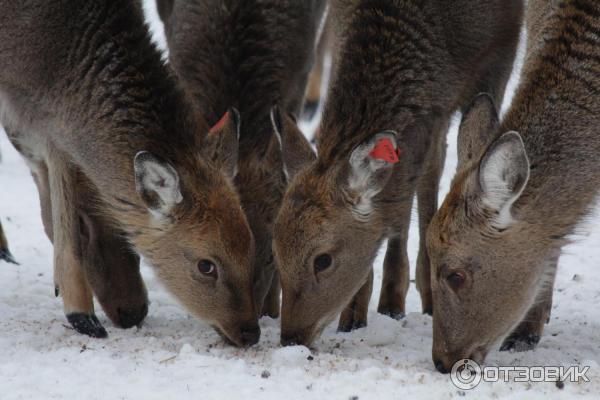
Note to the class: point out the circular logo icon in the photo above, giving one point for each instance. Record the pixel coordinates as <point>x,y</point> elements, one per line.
<point>465,374</point>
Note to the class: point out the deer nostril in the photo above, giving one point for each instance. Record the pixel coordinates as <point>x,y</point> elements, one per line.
<point>250,335</point>
<point>439,365</point>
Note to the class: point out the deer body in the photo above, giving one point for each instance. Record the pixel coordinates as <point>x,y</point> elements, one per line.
<point>253,55</point>
<point>401,66</point>
<point>83,93</point>
<point>518,194</point>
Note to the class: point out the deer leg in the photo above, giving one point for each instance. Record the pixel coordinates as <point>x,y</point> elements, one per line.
<point>272,303</point>
<point>529,332</point>
<point>427,200</point>
<point>396,271</point>
<point>4,251</point>
<point>41,179</point>
<point>354,315</point>
<point>313,92</point>
<point>69,274</point>
<point>315,81</point>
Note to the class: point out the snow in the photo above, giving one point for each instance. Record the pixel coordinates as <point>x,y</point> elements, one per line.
<point>176,356</point>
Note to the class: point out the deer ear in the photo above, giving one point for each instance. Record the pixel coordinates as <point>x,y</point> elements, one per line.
<point>478,125</point>
<point>296,152</point>
<point>157,183</point>
<point>371,165</point>
<point>503,174</point>
<point>221,145</point>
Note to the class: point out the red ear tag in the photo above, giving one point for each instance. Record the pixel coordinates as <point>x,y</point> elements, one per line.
<point>384,150</point>
<point>220,124</point>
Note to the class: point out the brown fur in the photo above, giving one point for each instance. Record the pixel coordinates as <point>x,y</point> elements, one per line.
<point>508,253</point>
<point>86,93</point>
<point>400,65</point>
<point>251,55</point>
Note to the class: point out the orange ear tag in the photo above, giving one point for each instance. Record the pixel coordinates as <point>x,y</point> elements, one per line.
<point>384,150</point>
<point>220,124</point>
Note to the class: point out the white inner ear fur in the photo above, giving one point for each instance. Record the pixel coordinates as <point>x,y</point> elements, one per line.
<point>363,169</point>
<point>502,170</point>
<point>162,179</point>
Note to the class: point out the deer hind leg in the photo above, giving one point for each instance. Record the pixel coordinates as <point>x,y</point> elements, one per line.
<point>42,182</point>
<point>313,92</point>
<point>39,172</point>
<point>427,200</point>
<point>354,315</point>
<point>272,304</point>
<point>396,274</point>
<point>69,274</point>
<point>314,89</point>
<point>529,332</point>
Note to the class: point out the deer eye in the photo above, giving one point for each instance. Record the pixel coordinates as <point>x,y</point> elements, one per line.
<point>207,267</point>
<point>456,279</point>
<point>322,262</point>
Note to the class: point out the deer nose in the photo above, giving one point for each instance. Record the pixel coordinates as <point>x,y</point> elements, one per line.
<point>439,365</point>
<point>132,317</point>
<point>250,335</point>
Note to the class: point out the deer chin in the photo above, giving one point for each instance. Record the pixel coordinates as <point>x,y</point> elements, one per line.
<point>228,339</point>
<point>239,335</point>
<point>307,335</point>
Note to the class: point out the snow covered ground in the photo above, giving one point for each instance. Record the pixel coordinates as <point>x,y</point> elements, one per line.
<point>174,356</point>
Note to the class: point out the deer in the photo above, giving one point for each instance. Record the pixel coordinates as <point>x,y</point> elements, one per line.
<point>85,94</point>
<point>402,68</point>
<point>496,240</point>
<point>257,56</point>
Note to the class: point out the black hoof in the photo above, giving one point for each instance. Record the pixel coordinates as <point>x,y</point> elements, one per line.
<point>397,315</point>
<point>7,256</point>
<point>289,340</point>
<point>310,110</point>
<point>87,325</point>
<point>520,342</point>
<point>351,326</point>
<point>270,311</point>
<point>130,318</point>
